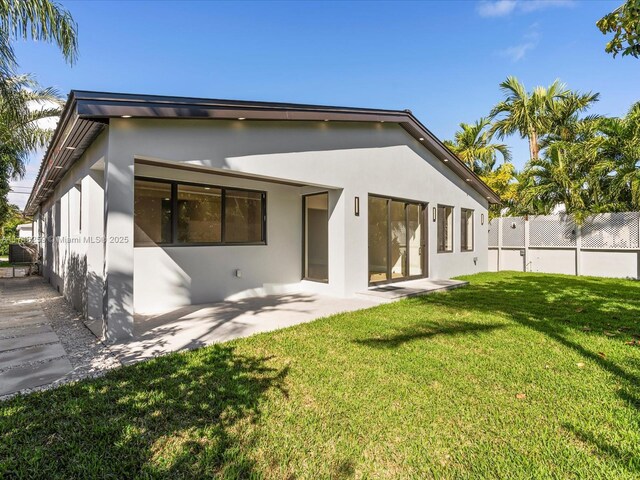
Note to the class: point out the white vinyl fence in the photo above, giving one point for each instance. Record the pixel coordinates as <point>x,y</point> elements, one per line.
<point>606,245</point>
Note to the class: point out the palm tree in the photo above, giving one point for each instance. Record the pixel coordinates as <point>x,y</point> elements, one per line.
<point>38,20</point>
<point>21,131</point>
<point>472,144</point>
<point>535,114</point>
<point>620,150</point>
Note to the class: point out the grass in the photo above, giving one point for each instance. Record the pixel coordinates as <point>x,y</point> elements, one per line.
<point>517,375</point>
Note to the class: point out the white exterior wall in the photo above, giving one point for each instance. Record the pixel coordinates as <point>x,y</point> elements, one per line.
<point>347,159</point>
<point>72,263</point>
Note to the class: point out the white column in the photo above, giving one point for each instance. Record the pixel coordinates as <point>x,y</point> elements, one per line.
<point>499,241</point>
<point>118,242</point>
<point>93,232</point>
<point>578,248</point>
<point>337,242</point>
<point>526,243</point>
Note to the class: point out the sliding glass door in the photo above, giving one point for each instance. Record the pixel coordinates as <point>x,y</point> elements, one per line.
<point>396,239</point>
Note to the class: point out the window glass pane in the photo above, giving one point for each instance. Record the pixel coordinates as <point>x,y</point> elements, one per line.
<point>398,240</point>
<point>152,212</point>
<point>243,217</point>
<point>378,239</point>
<point>445,228</point>
<point>317,237</point>
<point>466,230</point>
<point>414,216</point>
<point>199,214</point>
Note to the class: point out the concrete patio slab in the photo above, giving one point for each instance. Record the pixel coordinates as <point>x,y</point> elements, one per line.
<point>22,331</point>
<point>39,353</point>
<point>411,288</point>
<point>33,375</point>
<point>27,341</point>
<point>199,325</point>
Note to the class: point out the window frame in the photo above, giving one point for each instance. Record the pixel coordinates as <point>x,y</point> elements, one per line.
<point>463,211</point>
<point>174,217</point>
<point>453,222</point>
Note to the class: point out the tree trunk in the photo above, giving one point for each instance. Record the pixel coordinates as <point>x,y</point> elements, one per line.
<point>533,144</point>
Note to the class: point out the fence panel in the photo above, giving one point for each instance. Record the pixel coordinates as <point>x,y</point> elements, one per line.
<point>513,232</point>
<point>607,244</point>
<point>552,231</point>
<point>611,230</point>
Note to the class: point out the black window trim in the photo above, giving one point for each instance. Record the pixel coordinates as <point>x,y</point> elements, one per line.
<point>174,218</point>
<point>463,210</point>
<point>453,223</point>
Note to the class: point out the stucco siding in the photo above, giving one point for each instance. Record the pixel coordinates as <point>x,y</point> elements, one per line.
<point>350,159</point>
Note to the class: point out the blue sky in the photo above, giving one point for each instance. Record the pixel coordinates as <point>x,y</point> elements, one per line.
<point>442,60</point>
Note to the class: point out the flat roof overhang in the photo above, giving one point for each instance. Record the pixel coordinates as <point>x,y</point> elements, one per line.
<point>87,113</point>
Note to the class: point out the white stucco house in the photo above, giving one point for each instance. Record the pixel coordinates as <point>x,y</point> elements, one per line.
<point>150,203</point>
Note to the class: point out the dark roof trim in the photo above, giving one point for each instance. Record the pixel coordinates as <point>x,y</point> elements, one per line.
<point>86,113</point>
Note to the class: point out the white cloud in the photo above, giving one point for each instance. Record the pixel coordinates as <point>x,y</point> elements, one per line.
<point>503,8</point>
<point>497,8</point>
<point>517,52</point>
<point>529,42</point>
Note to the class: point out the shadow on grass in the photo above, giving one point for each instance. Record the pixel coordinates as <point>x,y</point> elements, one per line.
<point>629,460</point>
<point>559,307</point>
<point>426,330</point>
<point>174,417</point>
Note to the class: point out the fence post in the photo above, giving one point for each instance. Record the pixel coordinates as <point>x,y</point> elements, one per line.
<point>499,241</point>
<point>578,248</point>
<point>526,242</point>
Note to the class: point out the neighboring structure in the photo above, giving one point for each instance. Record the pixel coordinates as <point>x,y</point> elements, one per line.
<point>201,200</point>
<point>605,245</point>
<point>25,230</point>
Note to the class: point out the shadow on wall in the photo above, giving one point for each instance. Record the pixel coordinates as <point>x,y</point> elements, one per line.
<point>76,282</point>
<point>180,416</point>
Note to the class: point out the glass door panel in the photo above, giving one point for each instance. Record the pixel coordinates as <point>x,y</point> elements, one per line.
<point>398,240</point>
<point>316,237</point>
<point>378,239</point>
<point>415,231</point>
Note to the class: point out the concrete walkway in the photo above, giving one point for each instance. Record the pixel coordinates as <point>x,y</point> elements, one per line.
<point>43,342</point>
<point>31,354</point>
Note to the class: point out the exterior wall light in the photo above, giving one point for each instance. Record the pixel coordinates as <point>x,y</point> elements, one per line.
<point>356,206</point>
<point>482,219</point>
<point>434,213</point>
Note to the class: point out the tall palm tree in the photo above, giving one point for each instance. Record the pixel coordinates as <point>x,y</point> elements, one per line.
<point>472,144</point>
<point>535,114</point>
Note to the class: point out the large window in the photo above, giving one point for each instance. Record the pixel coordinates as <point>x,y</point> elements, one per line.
<point>171,213</point>
<point>445,228</point>
<point>466,230</point>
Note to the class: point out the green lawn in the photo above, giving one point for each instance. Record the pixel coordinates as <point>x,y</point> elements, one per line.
<point>517,375</point>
